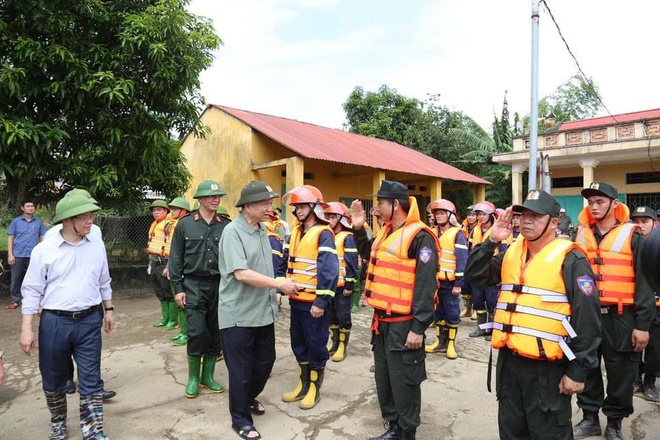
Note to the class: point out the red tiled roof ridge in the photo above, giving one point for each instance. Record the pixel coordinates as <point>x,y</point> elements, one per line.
<point>324,143</point>
<point>609,119</point>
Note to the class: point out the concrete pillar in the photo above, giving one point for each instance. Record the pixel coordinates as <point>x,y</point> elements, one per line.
<point>517,170</point>
<point>479,193</point>
<point>377,177</point>
<point>295,171</point>
<point>435,189</point>
<point>588,166</point>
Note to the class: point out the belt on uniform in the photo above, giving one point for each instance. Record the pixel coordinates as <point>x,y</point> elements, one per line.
<point>611,310</point>
<point>75,315</point>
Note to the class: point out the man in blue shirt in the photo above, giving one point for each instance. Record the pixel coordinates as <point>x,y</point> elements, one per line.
<point>24,232</point>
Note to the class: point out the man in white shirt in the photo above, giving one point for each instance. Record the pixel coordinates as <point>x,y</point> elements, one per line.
<point>68,279</point>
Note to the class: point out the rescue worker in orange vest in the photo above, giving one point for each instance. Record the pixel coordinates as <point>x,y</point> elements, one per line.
<point>400,286</point>
<point>484,298</point>
<point>614,247</point>
<point>453,256</point>
<point>158,248</point>
<point>649,368</point>
<point>179,208</point>
<point>466,294</point>
<point>339,314</point>
<point>546,324</point>
<point>314,267</point>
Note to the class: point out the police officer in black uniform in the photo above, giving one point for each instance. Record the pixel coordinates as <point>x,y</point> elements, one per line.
<point>533,390</point>
<point>398,345</point>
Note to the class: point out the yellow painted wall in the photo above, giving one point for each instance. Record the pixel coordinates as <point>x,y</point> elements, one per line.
<point>614,174</point>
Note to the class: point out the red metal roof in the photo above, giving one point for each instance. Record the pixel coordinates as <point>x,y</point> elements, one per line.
<point>316,142</point>
<point>610,120</point>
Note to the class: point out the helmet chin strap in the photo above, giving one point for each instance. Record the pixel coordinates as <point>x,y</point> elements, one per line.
<point>311,211</point>
<point>542,233</point>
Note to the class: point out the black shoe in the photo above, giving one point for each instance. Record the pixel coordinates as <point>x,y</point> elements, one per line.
<point>648,389</point>
<point>613,429</point>
<point>393,432</point>
<point>108,394</point>
<point>589,426</point>
<point>407,435</point>
<point>70,387</point>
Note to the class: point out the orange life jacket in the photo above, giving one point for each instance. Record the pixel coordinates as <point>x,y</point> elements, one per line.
<point>612,259</point>
<point>159,242</point>
<point>340,241</point>
<point>302,264</point>
<point>532,311</point>
<point>391,273</point>
<point>447,257</point>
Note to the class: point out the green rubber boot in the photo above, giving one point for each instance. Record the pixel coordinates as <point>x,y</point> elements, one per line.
<point>357,291</point>
<point>182,337</point>
<point>165,311</point>
<point>192,387</point>
<point>208,369</point>
<point>172,312</point>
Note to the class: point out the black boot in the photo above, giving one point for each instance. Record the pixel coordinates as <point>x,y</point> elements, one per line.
<point>333,343</point>
<point>648,387</point>
<point>589,426</point>
<point>481,319</point>
<point>408,434</point>
<point>393,431</point>
<point>613,429</point>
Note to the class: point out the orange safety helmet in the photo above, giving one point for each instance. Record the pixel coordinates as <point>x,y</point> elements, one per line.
<point>443,204</point>
<point>307,194</point>
<point>485,206</point>
<point>341,210</point>
<point>499,212</point>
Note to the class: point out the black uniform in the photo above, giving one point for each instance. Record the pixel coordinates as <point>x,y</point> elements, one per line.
<point>529,402</point>
<point>621,361</point>
<point>194,270</point>
<point>399,371</point>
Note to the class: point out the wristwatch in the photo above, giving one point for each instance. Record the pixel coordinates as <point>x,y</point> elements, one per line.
<point>109,309</point>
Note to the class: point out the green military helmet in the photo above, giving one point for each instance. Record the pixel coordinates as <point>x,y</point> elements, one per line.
<point>195,205</point>
<point>81,192</point>
<point>256,191</point>
<point>72,206</point>
<point>208,188</point>
<point>159,204</point>
<point>180,202</point>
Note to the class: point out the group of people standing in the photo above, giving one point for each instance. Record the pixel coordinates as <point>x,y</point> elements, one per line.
<point>554,308</point>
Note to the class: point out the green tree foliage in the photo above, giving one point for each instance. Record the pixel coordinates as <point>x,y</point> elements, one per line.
<point>91,92</point>
<point>576,99</point>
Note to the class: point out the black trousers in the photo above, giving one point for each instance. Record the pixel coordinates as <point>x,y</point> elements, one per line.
<point>529,403</point>
<point>249,356</point>
<point>202,315</point>
<point>399,374</point>
<point>621,365</point>
<point>652,351</point>
<point>160,283</point>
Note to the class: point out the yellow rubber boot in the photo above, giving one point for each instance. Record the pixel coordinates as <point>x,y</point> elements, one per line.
<point>466,311</point>
<point>340,354</point>
<point>314,394</point>
<point>451,341</point>
<point>435,345</point>
<point>333,343</point>
<point>303,385</point>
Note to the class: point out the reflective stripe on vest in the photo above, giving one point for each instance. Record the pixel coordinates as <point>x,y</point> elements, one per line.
<point>612,263</point>
<point>532,313</point>
<point>447,257</point>
<point>302,264</point>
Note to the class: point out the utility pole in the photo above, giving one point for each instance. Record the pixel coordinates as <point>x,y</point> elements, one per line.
<point>534,111</point>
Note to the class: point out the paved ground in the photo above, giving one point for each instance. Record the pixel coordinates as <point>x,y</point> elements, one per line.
<point>149,375</point>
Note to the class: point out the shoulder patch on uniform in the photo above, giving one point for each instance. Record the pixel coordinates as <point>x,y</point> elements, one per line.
<point>425,254</point>
<point>586,284</point>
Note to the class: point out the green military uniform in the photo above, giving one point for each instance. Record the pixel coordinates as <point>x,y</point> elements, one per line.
<point>529,402</point>
<point>194,270</point>
<point>399,371</point>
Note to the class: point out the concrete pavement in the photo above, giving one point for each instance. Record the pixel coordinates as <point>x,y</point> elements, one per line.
<point>149,375</point>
